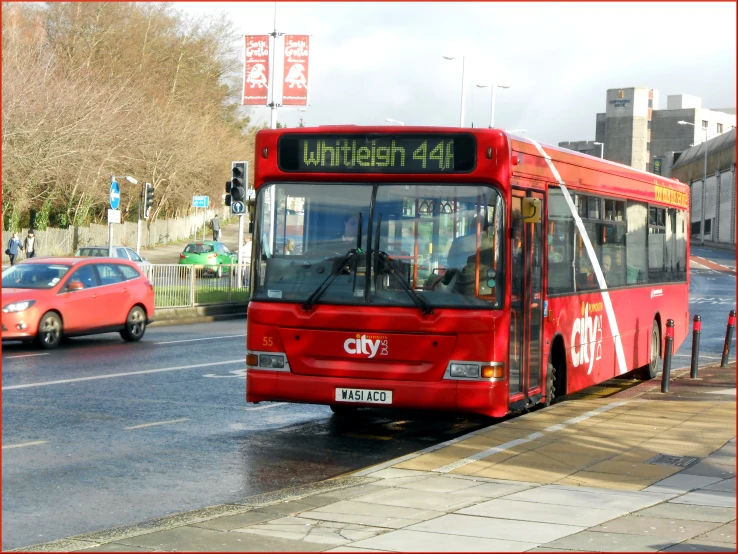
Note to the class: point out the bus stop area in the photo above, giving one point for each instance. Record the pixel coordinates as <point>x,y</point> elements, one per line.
<point>635,471</point>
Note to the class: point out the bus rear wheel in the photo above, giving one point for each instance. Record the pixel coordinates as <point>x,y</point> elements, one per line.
<point>650,370</point>
<point>344,410</point>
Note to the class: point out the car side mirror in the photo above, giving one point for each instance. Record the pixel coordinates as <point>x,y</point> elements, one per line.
<point>75,286</point>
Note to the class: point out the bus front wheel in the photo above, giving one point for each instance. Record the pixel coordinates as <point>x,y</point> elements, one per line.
<point>650,370</point>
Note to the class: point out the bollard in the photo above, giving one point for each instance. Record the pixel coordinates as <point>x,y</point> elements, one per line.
<point>696,332</point>
<point>728,338</point>
<point>666,373</point>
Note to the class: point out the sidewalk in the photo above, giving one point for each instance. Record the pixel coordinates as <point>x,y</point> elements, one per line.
<point>636,471</point>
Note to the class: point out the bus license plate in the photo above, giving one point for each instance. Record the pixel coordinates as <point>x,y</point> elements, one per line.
<point>364,395</point>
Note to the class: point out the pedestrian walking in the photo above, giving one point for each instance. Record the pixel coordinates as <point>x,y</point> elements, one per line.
<point>29,245</point>
<point>14,248</point>
<point>215,226</point>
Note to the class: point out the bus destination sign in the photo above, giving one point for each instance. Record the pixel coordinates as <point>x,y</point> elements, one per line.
<point>377,153</point>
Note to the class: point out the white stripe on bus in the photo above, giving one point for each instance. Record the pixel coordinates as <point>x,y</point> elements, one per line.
<point>595,262</point>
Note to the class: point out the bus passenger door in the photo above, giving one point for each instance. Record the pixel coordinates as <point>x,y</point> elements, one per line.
<point>526,305</point>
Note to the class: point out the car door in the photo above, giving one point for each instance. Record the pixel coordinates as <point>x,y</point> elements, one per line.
<point>113,292</point>
<point>81,309</point>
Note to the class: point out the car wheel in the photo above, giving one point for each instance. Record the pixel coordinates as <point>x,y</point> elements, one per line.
<point>135,325</point>
<point>49,331</point>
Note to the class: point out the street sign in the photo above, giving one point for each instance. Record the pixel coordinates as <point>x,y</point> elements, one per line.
<point>237,207</point>
<point>250,194</point>
<point>200,201</point>
<point>114,195</point>
<point>114,216</point>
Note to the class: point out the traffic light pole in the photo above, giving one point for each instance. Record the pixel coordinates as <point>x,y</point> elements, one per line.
<point>138,229</point>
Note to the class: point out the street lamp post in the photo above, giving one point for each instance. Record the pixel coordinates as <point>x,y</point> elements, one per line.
<point>494,95</point>
<point>463,86</point>
<point>602,149</point>
<point>390,120</point>
<point>704,185</point>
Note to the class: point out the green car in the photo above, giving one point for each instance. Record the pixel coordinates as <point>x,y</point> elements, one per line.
<point>211,255</point>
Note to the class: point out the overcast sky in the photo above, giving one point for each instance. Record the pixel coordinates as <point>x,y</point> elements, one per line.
<point>372,61</point>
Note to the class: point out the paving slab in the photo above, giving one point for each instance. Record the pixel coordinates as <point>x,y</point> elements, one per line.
<point>492,528</point>
<point>708,469</point>
<point>681,483</point>
<point>419,541</point>
<point>681,529</point>
<point>226,523</point>
<point>117,548</point>
<point>241,542</point>
<point>726,485</point>
<point>392,517</point>
<point>690,512</point>
<point>591,541</point>
<point>161,540</point>
<point>434,483</point>
<point>321,532</point>
<point>707,498</point>
<point>627,502</point>
<point>421,499</point>
<point>502,508</point>
<point>494,490</point>
<point>724,533</point>
<point>699,546</point>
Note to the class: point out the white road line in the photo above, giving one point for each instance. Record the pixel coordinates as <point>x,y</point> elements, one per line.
<point>502,447</point>
<point>64,381</point>
<point>26,355</point>
<point>24,444</point>
<point>206,338</point>
<point>156,423</point>
<point>265,407</point>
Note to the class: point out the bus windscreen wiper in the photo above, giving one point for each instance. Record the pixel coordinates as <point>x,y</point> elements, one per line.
<point>336,271</point>
<point>420,302</point>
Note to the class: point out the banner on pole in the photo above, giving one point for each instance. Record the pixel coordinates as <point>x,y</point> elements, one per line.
<point>256,70</point>
<point>295,84</point>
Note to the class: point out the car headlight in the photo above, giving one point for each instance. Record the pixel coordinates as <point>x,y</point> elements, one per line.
<point>18,306</point>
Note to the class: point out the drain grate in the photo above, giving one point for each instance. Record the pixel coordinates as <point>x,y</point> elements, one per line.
<point>667,460</point>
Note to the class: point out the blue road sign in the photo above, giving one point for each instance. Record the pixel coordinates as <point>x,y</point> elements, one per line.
<point>200,201</point>
<point>237,207</point>
<point>114,195</point>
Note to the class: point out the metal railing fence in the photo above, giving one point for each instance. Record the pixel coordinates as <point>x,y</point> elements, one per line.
<point>180,286</point>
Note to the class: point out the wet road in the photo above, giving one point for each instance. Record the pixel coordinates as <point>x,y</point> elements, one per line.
<point>101,433</point>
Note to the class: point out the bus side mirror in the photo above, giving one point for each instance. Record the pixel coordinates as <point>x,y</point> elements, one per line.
<point>531,211</point>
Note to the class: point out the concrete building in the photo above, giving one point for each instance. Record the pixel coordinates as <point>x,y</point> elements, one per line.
<point>635,132</point>
<point>719,196</point>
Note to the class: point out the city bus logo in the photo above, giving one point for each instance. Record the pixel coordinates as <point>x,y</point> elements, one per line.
<point>586,336</point>
<point>369,345</point>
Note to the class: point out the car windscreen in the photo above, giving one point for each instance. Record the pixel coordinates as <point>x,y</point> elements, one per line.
<point>198,248</point>
<point>33,276</point>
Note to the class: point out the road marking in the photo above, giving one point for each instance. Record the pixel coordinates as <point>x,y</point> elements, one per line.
<point>26,355</point>
<point>236,373</point>
<point>265,407</point>
<point>144,372</point>
<point>206,338</point>
<point>24,444</point>
<point>533,436</point>
<point>157,423</point>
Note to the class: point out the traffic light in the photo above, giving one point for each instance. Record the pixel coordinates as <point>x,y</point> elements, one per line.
<point>228,193</point>
<point>148,199</point>
<point>238,181</point>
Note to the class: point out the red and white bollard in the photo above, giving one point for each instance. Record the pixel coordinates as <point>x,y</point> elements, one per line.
<point>728,338</point>
<point>666,373</point>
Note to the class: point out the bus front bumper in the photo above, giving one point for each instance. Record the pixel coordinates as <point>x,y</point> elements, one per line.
<point>482,397</point>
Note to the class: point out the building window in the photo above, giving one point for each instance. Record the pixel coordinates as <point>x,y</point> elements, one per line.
<point>704,124</point>
<point>650,102</point>
<point>649,123</point>
<point>719,127</point>
<point>648,147</point>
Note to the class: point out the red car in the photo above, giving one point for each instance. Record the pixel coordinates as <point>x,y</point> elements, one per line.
<point>47,298</point>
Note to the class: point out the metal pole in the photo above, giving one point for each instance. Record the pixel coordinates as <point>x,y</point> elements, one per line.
<point>463,90</point>
<point>138,226</point>
<point>110,240</point>
<point>728,339</point>
<point>666,374</point>
<point>696,332</point>
<point>240,249</point>
<point>492,112</point>
<point>602,150</point>
<point>273,104</point>
<point>704,187</point>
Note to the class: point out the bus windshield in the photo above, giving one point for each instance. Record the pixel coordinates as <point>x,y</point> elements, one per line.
<point>423,245</point>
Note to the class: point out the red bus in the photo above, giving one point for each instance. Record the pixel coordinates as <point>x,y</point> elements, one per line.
<point>455,269</point>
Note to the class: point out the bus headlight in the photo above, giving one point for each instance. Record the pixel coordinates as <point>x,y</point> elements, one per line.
<point>470,371</point>
<point>271,361</point>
